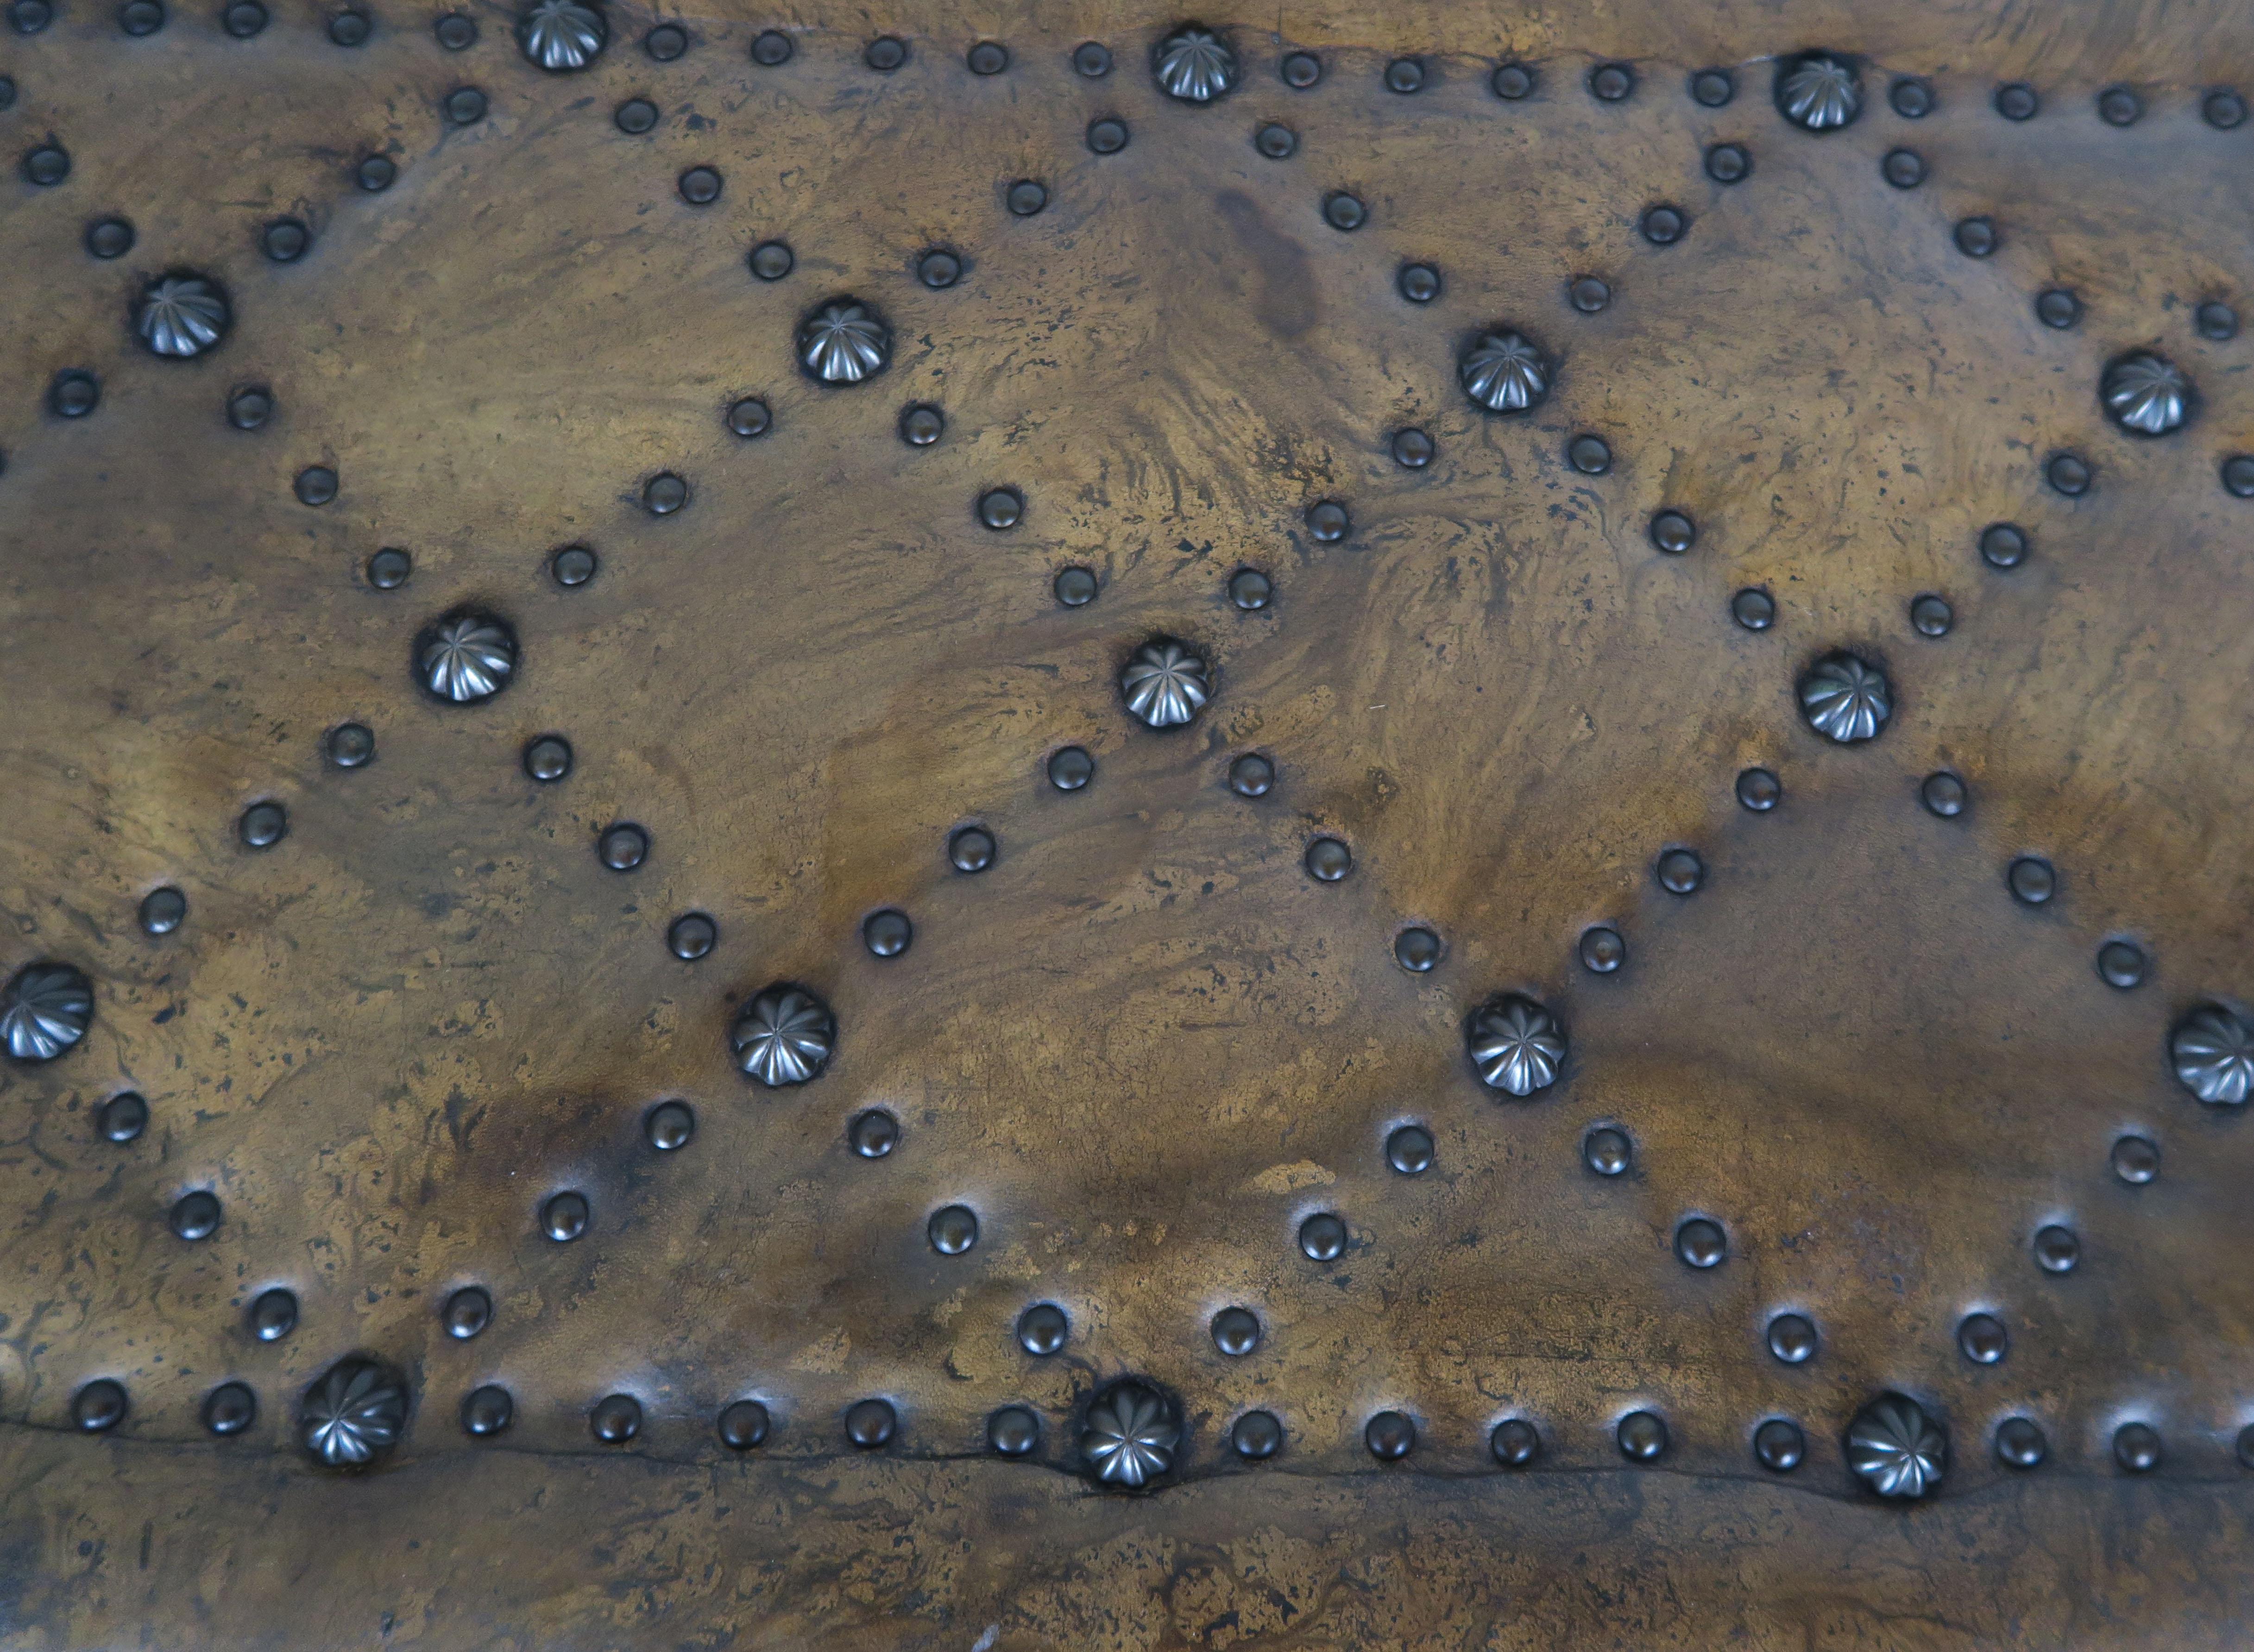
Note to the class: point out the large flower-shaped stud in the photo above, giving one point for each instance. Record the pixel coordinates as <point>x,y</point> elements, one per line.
<point>2213,1053</point>
<point>1194,65</point>
<point>843,342</point>
<point>1844,698</point>
<point>785,1035</point>
<point>45,1011</point>
<point>1504,373</point>
<point>2148,395</point>
<point>1897,1449</point>
<point>1818,91</point>
<point>1165,683</point>
<point>181,316</point>
<point>1130,1436</point>
<point>465,657</point>
<point>1516,1045</point>
<point>562,35</point>
<point>352,1413</point>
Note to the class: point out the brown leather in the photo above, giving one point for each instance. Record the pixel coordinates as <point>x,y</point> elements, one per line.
<point>1146,1043</point>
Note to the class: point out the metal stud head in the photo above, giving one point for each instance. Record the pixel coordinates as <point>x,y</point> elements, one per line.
<point>46,1012</point>
<point>749,418</point>
<point>181,315</point>
<point>1641,1436</point>
<point>2212,1052</point>
<point>561,36</point>
<point>465,657</point>
<point>1195,64</point>
<point>2032,880</point>
<point>843,341</point>
<point>1418,283</point>
<point>1611,83</point>
<point>1328,859</point>
<point>668,1126</point>
<point>263,825</point>
<point>487,1411</point>
<point>1602,949</point>
<point>1729,163</point>
<point>744,1424</point>
<point>1779,1446</point>
<point>1512,81</point>
<point>229,1408</point>
<point>1013,1431</point>
<point>1943,794</point>
<point>99,1406</point>
<point>273,1314</point>
<point>872,1423</point>
<point>874,1133</point>
<point>1130,1436</point>
<point>1235,1332</point>
<point>1792,1338</point>
<point>1591,455</point>
<point>1409,1149</point>
<point>1417,949</point>
<point>2121,964</point>
<point>1091,59</point>
<point>1680,871</point>
<point>1300,70</point>
<point>2056,307</point>
<point>2057,1250</point>
<point>1673,532</point>
<point>2136,1160</point>
<point>1504,371</point>
<point>1818,91</point>
<point>1759,790</point>
<point>1389,1436</point>
<point>1607,1151</point>
<point>887,933</point>
<point>1515,1044</point>
<point>784,1036</point>
<point>350,744</point>
<point>1074,587</point>
<point>1931,616</point>
<point>1982,1339</point>
<point>547,759</point>
<point>1713,88</point>
<point>2019,1443</point>
<point>1701,1243</point>
<point>1251,775</point>
<point>1255,1436</point>
<point>1846,698</point>
<point>565,1217</point>
<point>468,1311</point>
<point>2137,1447</point>
<point>194,1215</point>
<point>616,1419</point>
<point>952,1231</point>
<point>2145,395</point>
<point>2017,101</point>
<point>352,1415</point>
<point>1322,1237</point>
<point>971,849</point>
<point>1165,683</point>
<point>1515,1442</point>
<point>122,1118</point>
<point>1895,1448</point>
<point>1042,1329</point>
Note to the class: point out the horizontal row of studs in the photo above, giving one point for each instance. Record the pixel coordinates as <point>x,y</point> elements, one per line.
<point>1015,1431</point>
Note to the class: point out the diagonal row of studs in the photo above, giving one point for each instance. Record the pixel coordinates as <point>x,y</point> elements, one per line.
<point>785,1034</point>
